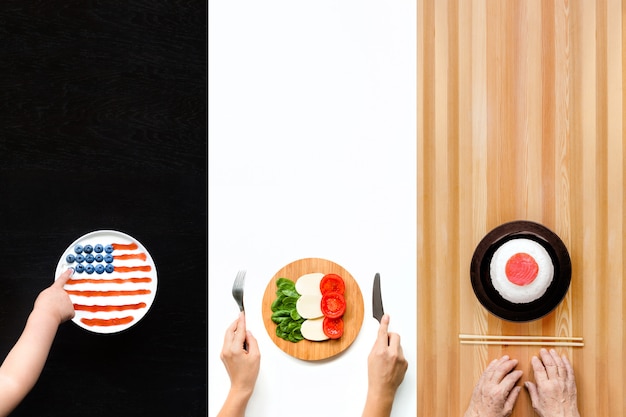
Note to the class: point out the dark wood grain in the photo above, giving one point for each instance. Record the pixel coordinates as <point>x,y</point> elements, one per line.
<point>104,126</point>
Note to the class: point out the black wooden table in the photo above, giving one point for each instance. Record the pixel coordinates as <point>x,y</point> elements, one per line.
<point>103,126</point>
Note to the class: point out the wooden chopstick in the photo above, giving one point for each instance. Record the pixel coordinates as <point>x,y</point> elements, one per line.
<point>496,337</point>
<point>467,339</point>
<point>521,343</point>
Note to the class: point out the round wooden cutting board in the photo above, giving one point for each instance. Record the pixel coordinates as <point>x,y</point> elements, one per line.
<point>353,317</point>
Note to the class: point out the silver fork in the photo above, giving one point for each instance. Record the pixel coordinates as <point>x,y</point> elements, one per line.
<point>238,289</point>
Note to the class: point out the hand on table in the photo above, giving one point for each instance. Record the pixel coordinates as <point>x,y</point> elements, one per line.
<point>495,393</point>
<point>554,394</point>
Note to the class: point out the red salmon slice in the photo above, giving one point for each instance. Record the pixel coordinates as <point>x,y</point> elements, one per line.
<point>521,269</point>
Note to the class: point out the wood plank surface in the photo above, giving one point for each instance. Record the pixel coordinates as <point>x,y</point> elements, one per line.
<point>520,109</point>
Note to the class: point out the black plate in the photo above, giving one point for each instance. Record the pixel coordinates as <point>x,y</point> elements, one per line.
<point>489,296</point>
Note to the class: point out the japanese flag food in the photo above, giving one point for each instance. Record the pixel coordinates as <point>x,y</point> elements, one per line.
<point>521,270</point>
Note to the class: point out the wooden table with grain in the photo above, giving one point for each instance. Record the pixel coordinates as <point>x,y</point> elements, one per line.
<point>520,109</point>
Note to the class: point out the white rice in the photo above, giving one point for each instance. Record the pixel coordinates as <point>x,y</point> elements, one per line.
<point>517,293</point>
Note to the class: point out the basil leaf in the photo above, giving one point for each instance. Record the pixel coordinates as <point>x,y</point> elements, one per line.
<point>285,315</point>
<point>295,315</point>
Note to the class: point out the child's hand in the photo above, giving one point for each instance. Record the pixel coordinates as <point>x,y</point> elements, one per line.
<point>54,301</point>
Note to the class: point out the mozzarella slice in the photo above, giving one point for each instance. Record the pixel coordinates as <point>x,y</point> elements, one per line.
<point>309,284</point>
<point>309,306</point>
<point>313,329</point>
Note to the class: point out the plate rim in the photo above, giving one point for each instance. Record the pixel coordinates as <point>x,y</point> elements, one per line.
<point>270,292</point>
<point>521,312</point>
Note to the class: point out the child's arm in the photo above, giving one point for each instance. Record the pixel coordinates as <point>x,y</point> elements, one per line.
<point>23,365</point>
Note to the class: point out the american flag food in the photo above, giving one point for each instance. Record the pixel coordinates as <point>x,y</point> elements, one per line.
<point>114,282</point>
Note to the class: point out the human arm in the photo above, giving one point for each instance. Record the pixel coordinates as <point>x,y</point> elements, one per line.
<point>23,365</point>
<point>554,394</point>
<point>495,393</point>
<point>242,366</point>
<point>386,367</point>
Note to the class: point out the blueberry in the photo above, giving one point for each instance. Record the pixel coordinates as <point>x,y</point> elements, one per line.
<point>108,248</point>
<point>108,258</point>
<point>109,268</point>
<point>70,258</point>
<point>88,248</point>
<point>78,248</point>
<point>99,268</point>
<point>99,257</point>
<point>89,269</point>
<point>89,258</point>
<point>80,258</point>
<point>98,248</point>
<point>79,268</point>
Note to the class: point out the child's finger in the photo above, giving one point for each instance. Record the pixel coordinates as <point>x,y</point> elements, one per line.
<point>63,278</point>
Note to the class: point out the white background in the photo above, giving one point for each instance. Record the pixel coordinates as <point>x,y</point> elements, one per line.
<point>312,153</point>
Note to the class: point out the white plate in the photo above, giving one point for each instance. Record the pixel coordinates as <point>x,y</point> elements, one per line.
<point>109,302</point>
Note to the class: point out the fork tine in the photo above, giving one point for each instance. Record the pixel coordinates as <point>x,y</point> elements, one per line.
<point>239,279</point>
<point>238,289</point>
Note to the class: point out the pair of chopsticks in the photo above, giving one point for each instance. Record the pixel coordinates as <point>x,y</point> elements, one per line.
<point>476,339</point>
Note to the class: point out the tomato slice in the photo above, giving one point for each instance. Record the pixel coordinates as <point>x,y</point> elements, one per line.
<point>332,283</point>
<point>333,305</point>
<point>333,328</point>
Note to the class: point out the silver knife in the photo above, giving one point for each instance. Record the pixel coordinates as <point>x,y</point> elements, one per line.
<point>377,301</point>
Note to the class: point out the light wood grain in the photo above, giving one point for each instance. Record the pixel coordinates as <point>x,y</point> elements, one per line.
<point>520,117</point>
<point>353,317</point>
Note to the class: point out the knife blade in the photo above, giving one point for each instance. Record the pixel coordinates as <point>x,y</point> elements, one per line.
<point>377,301</point>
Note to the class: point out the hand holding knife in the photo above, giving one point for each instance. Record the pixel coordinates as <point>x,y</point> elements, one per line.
<point>386,362</point>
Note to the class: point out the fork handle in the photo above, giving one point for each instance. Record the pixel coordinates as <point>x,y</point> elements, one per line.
<point>245,345</point>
